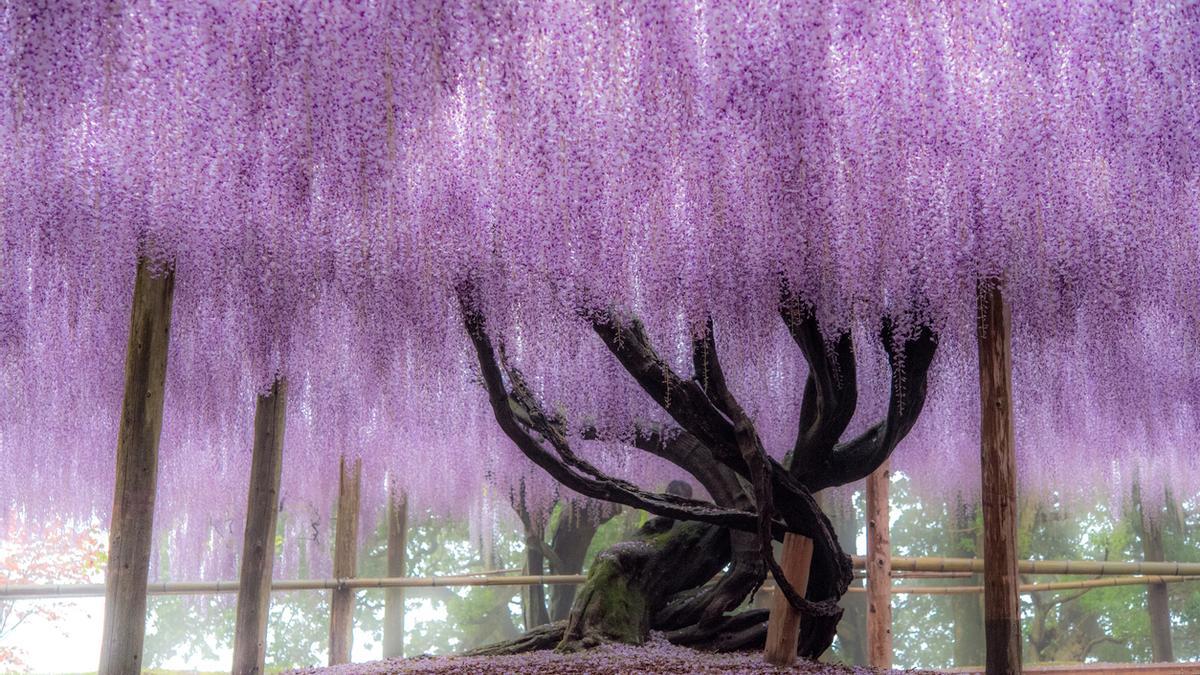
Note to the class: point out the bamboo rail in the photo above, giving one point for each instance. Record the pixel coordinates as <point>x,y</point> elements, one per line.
<point>1026,589</point>
<point>1069,567</point>
<point>36,591</point>
<point>1166,572</point>
<point>1030,588</point>
<point>1099,669</point>
<point>32,591</point>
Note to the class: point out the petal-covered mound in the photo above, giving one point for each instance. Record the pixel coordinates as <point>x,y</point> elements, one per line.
<point>657,656</point>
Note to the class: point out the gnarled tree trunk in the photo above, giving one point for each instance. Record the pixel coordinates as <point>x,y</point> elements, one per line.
<point>659,578</point>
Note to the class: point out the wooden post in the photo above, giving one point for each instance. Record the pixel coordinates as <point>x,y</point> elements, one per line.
<point>130,534</point>
<point>783,624</point>
<point>1002,619</point>
<point>1150,531</point>
<point>345,564</point>
<point>393,609</point>
<point>258,547</point>
<point>879,570</point>
<point>1157,601</point>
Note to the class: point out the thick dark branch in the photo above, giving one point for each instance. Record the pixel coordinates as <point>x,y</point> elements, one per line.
<point>859,457</point>
<point>683,399</point>
<point>831,390</point>
<point>711,377</point>
<point>683,450</point>
<point>713,382</point>
<point>566,468</point>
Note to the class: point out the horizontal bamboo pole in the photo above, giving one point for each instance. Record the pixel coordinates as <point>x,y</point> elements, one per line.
<point>1101,583</point>
<point>1080,567</point>
<point>1098,669</point>
<point>1164,572</point>
<point>28,591</point>
<point>1030,588</point>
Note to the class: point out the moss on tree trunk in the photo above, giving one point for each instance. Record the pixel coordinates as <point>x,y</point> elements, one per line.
<point>631,582</point>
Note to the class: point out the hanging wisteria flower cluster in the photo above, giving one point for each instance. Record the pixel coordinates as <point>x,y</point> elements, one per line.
<point>323,175</point>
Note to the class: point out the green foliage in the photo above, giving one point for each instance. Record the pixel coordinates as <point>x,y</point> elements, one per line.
<point>1105,624</point>
<point>200,628</point>
<point>473,616</point>
<point>612,531</point>
<point>1102,624</point>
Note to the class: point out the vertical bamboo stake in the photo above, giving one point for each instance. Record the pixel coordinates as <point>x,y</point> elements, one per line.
<point>879,570</point>
<point>136,471</point>
<point>783,624</point>
<point>393,609</point>
<point>1002,620</point>
<point>258,547</point>
<point>345,564</point>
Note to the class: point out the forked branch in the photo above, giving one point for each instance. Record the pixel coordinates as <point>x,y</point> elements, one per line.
<point>521,417</point>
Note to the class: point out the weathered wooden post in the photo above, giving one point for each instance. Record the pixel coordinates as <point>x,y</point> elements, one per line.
<point>258,547</point>
<point>1150,532</point>
<point>136,471</point>
<point>879,570</point>
<point>783,623</point>
<point>345,564</point>
<point>393,608</point>
<point>1002,619</point>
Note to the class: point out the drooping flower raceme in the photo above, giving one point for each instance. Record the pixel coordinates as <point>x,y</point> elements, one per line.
<point>323,174</point>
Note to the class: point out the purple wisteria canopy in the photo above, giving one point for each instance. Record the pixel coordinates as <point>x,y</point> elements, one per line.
<point>322,175</point>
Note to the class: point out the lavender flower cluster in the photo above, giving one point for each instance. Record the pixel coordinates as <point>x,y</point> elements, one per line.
<point>322,175</point>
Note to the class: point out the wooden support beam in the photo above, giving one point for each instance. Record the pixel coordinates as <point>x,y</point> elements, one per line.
<point>345,564</point>
<point>393,608</point>
<point>879,570</point>
<point>258,547</point>
<point>131,530</point>
<point>1002,619</point>
<point>783,623</point>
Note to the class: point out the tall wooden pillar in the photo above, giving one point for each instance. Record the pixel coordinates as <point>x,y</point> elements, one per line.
<point>783,623</point>
<point>1002,619</point>
<point>345,564</point>
<point>258,547</point>
<point>393,608</point>
<point>136,471</point>
<point>879,570</point>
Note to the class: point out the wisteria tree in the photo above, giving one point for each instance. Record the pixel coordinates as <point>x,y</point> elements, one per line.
<point>653,581</point>
<point>621,240</point>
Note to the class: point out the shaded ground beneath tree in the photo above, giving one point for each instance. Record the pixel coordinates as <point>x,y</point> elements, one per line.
<point>657,656</point>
